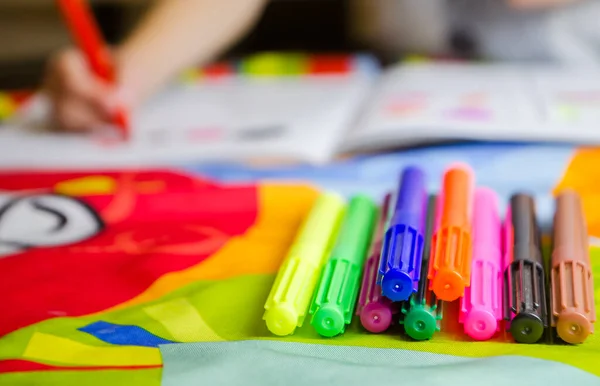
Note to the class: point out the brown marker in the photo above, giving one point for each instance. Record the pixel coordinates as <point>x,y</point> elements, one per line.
<point>572,297</point>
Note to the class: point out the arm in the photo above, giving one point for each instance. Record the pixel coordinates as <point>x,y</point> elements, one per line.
<point>177,34</point>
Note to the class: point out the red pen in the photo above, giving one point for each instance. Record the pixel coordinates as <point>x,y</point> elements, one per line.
<point>87,36</point>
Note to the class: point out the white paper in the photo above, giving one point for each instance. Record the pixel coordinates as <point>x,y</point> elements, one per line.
<point>300,119</point>
<point>432,102</point>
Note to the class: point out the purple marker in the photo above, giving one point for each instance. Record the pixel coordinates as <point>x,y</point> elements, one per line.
<point>375,311</point>
<point>402,250</point>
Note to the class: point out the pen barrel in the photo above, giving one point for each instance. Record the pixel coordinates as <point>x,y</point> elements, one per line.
<point>526,243</point>
<point>430,226</point>
<point>337,291</point>
<point>402,249</point>
<point>487,227</point>
<point>411,200</point>
<point>481,306</point>
<point>525,300</point>
<point>319,230</point>
<point>356,231</point>
<point>572,298</point>
<point>289,298</point>
<point>570,236</point>
<point>377,240</point>
<point>456,196</point>
<point>86,33</point>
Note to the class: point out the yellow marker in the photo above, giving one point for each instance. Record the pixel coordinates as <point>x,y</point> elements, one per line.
<point>190,76</point>
<point>415,59</point>
<point>275,64</point>
<point>7,106</point>
<point>264,64</point>
<point>287,304</point>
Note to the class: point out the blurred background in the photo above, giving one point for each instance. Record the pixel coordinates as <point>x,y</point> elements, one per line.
<point>30,30</point>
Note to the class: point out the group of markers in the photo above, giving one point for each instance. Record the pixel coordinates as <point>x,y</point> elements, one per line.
<point>419,252</point>
<point>274,64</point>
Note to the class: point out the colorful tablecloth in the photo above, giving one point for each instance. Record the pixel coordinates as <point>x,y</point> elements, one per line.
<point>110,276</point>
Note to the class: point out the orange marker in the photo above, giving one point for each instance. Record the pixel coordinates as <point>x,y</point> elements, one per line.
<point>87,35</point>
<point>450,267</point>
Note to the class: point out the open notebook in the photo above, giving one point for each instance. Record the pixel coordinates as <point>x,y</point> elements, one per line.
<point>287,107</point>
<point>316,116</point>
<point>429,102</point>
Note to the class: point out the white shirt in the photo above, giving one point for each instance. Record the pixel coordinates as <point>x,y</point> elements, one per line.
<point>566,34</point>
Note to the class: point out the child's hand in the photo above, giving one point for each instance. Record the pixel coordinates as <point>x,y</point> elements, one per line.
<point>80,101</point>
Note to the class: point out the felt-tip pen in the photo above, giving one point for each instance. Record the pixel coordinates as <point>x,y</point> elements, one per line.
<point>402,248</point>
<point>86,34</point>
<point>450,267</point>
<point>524,291</point>
<point>421,315</point>
<point>572,297</point>
<point>375,310</point>
<point>288,301</point>
<point>481,307</point>
<point>335,298</point>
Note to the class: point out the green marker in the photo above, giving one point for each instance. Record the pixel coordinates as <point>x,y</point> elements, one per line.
<point>421,315</point>
<point>333,304</point>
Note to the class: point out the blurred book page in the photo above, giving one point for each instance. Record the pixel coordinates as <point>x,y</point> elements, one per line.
<point>420,103</point>
<point>299,119</point>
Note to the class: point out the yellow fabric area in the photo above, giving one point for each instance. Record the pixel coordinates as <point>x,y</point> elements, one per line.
<point>48,348</point>
<point>182,321</point>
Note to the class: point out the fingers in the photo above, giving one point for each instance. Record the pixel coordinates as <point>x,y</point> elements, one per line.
<point>80,101</point>
<point>76,116</point>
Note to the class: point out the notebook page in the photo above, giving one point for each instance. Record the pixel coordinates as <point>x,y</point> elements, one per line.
<point>433,102</point>
<point>300,119</point>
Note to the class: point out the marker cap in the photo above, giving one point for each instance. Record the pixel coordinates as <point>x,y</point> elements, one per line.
<point>480,324</point>
<point>526,328</point>
<point>328,321</point>
<point>573,327</point>
<point>420,324</point>
<point>281,321</point>
<point>376,317</point>
<point>448,285</point>
<point>397,285</point>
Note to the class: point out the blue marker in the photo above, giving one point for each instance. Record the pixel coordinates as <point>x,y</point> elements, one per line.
<point>402,251</point>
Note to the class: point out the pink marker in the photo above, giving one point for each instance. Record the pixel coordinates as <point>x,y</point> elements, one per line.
<point>481,306</point>
<point>374,309</point>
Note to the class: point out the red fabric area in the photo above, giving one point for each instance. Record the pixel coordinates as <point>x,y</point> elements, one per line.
<point>145,236</point>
